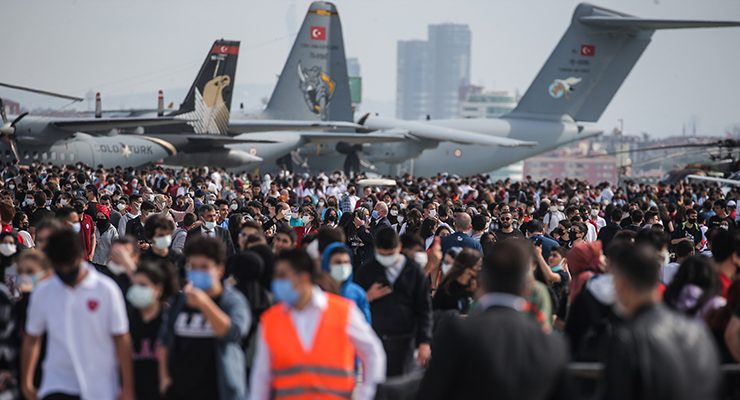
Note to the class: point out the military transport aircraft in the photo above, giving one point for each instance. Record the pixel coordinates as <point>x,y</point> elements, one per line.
<point>310,106</point>
<point>571,91</point>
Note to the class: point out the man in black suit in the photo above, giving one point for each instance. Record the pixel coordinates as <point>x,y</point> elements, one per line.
<point>379,218</point>
<point>208,228</point>
<point>499,351</point>
<point>656,353</point>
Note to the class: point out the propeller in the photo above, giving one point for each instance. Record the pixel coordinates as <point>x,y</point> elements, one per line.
<point>7,130</point>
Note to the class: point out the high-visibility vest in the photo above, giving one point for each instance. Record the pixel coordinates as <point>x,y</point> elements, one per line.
<point>326,370</point>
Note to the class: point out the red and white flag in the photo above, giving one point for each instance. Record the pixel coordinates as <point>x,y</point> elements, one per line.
<point>588,50</point>
<point>318,33</point>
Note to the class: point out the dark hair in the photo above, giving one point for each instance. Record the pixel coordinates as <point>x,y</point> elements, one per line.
<point>63,247</point>
<point>505,267</point>
<point>206,246</point>
<point>386,238</point>
<point>148,206</point>
<point>327,235</point>
<point>427,227</point>
<point>285,229</point>
<point>160,274</point>
<point>724,244</point>
<point>409,240</point>
<point>157,221</point>
<point>654,238</point>
<point>467,258</point>
<point>639,263</point>
<point>39,198</point>
<point>684,248</point>
<point>535,225</point>
<point>698,271</point>
<point>205,208</point>
<point>479,222</point>
<point>616,215</point>
<point>299,261</point>
<point>189,219</point>
<point>636,216</point>
<point>220,202</point>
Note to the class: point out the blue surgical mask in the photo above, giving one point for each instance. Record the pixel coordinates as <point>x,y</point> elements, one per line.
<point>284,291</point>
<point>375,214</point>
<point>200,279</point>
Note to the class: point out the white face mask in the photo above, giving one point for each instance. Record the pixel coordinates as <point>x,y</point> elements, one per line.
<point>394,213</point>
<point>162,242</point>
<point>121,206</point>
<point>209,225</point>
<point>76,227</point>
<point>594,213</point>
<point>313,250</point>
<point>446,267</point>
<point>7,249</point>
<point>386,261</point>
<point>234,207</point>
<point>340,272</point>
<point>400,219</point>
<point>287,216</point>
<point>432,213</point>
<point>116,268</point>
<point>421,258</point>
<point>306,219</point>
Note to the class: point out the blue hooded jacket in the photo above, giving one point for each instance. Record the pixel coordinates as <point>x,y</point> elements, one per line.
<point>349,290</point>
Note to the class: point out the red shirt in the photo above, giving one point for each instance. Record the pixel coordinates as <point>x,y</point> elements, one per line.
<point>87,232</point>
<point>726,282</point>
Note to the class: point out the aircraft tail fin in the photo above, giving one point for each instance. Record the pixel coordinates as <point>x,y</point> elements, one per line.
<point>314,84</point>
<point>591,61</point>
<point>208,102</point>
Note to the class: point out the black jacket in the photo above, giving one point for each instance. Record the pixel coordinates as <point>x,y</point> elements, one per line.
<point>660,354</point>
<point>221,234</point>
<point>405,311</point>
<point>499,353</point>
<point>378,225</point>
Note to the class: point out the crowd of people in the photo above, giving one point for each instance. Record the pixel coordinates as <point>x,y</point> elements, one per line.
<point>203,284</point>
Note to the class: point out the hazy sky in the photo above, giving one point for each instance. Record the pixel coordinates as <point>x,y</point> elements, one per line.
<point>118,47</point>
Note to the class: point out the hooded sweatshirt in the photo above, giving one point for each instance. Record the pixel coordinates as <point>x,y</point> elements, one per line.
<point>349,290</point>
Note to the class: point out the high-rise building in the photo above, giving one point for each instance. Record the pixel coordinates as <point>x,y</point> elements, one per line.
<point>478,103</point>
<point>411,83</point>
<point>431,73</point>
<point>449,64</point>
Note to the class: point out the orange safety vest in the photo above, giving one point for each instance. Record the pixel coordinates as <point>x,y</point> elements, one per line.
<point>325,371</point>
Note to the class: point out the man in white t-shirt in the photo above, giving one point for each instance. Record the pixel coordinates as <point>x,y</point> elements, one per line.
<point>83,315</point>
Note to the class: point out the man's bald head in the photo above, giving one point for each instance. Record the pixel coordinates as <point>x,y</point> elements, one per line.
<point>463,222</point>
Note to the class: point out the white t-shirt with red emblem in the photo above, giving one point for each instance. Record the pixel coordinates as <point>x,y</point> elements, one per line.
<point>80,323</point>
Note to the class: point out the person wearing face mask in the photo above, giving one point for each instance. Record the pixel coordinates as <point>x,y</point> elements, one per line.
<point>21,225</point>
<point>458,287</point>
<point>554,215</point>
<point>310,225</point>
<point>132,211</point>
<point>209,228</point>
<point>200,355</point>
<point>105,234</point>
<point>337,262</point>
<point>398,292</point>
<point>83,314</point>
<point>159,231</point>
<point>151,287</point>
<point>649,332</point>
<point>298,356</point>
<point>379,217</point>
<point>330,217</point>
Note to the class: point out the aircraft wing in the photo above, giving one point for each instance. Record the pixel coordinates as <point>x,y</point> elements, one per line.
<point>106,124</point>
<point>214,140</point>
<point>424,131</point>
<point>248,126</point>
<point>380,136</point>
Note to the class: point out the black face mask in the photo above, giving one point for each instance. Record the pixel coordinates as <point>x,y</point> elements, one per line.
<point>102,224</point>
<point>70,277</point>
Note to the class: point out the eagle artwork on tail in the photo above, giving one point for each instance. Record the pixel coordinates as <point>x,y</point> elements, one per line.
<point>317,88</point>
<point>211,114</point>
